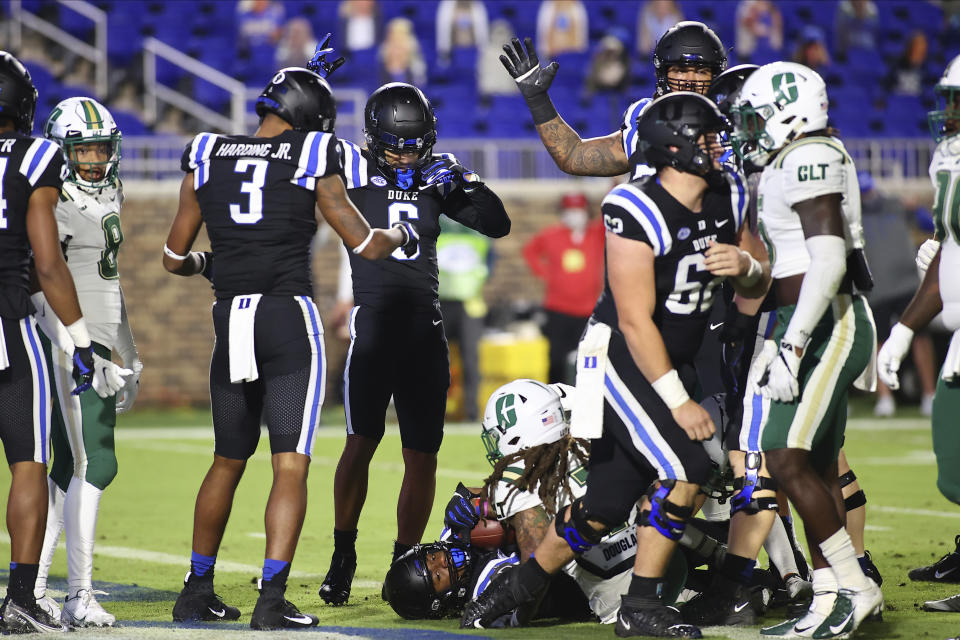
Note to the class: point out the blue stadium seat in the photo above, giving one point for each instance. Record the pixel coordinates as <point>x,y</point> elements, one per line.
<point>129,123</point>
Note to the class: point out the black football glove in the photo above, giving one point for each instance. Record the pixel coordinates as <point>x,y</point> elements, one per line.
<point>318,63</point>
<point>532,79</point>
<point>206,265</point>
<point>82,369</point>
<point>410,245</point>
<point>461,514</point>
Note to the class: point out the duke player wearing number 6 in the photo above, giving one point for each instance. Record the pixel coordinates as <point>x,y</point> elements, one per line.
<point>397,342</point>
<point>257,195</point>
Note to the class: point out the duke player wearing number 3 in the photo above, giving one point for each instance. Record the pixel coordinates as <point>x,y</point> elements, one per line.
<point>32,171</point>
<point>397,342</point>
<point>257,197</point>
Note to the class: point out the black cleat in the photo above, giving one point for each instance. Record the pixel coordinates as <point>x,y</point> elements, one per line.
<point>870,570</point>
<point>946,569</point>
<point>502,596</point>
<point>18,618</point>
<point>726,602</point>
<point>648,619</point>
<point>273,611</point>
<point>198,602</point>
<point>335,589</point>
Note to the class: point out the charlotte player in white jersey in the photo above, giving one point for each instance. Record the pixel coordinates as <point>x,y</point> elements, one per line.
<point>85,462</point>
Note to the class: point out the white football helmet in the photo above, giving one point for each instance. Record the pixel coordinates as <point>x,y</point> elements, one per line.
<point>77,122</point>
<point>945,121</point>
<point>522,414</point>
<point>778,102</point>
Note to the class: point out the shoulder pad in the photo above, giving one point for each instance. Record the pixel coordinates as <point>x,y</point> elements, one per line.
<point>37,158</point>
<point>812,150</point>
<point>354,164</point>
<point>631,213</point>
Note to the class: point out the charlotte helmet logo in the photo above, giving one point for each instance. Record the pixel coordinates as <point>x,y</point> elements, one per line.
<point>280,77</point>
<point>785,84</point>
<point>506,414</point>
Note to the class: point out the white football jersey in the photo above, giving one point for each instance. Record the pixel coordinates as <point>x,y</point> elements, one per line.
<point>945,175</point>
<point>89,225</point>
<point>805,169</point>
<point>603,572</point>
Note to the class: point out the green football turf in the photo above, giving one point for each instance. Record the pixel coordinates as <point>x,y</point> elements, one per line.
<point>143,535</point>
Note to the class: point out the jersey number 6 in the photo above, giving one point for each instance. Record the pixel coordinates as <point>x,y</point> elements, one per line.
<point>396,212</point>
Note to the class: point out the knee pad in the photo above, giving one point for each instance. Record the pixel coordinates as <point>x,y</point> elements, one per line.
<point>101,469</point>
<point>656,516</point>
<point>847,478</point>
<point>743,488</point>
<point>854,500</point>
<point>573,527</point>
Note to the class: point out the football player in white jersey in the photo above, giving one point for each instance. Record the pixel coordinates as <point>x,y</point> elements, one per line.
<point>809,216</point>
<point>938,292</point>
<point>88,217</point>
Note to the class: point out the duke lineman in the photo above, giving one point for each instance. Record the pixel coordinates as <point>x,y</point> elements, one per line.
<point>939,291</point>
<point>84,458</point>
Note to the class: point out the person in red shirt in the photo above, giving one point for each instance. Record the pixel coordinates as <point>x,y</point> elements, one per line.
<point>569,258</point>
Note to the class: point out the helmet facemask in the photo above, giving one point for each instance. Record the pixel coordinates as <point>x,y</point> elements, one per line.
<point>945,121</point>
<point>414,578</point>
<point>92,160</point>
<point>698,85</point>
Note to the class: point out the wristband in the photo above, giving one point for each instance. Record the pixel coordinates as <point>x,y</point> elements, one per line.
<point>363,245</point>
<point>175,256</point>
<point>670,389</point>
<point>541,108</point>
<point>78,331</point>
<point>201,260</point>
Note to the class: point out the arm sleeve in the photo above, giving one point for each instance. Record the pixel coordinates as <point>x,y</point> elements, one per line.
<point>630,213</point>
<point>43,165</point>
<point>126,348</point>
<point>480,209</point>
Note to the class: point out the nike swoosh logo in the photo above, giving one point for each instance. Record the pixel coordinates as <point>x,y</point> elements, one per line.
<point>626,625</point>
<point>939,574</point>
<point>840,627</point>
<point>740,607</point>
<point>799,630</point>
<point>219,614</point>
<point>714,327</point>
<point>436,322</point>
<point>719,223</point>
<point>301,619</point>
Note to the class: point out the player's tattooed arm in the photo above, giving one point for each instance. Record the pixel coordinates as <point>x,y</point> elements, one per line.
<point>591,157</point>
<point>531,526</point>
<point>344,218</point>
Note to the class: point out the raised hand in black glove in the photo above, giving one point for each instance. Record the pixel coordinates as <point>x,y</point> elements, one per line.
<point>461,514</point>
<point>82,369</point>
<point>532,79</point>
<point>411,245</point>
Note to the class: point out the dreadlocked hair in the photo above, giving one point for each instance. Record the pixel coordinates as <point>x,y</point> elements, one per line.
<point>545,466</point>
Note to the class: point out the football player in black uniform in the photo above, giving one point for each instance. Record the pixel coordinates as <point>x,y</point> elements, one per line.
<point>671,238</point>
<point>397,343</point>
<point>257,195</point>
<point>31,173</point>
<point>687,58</point>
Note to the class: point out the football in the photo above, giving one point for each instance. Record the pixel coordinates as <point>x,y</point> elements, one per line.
<point>488,534</point>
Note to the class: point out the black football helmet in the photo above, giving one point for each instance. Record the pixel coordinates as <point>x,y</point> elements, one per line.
<point>399,118</point>
<point>688,43</point>
<point>727,85</point>
<point>18,96</point>
<point>302,98</point>
<point>669,132</point>
<point>409,584</point>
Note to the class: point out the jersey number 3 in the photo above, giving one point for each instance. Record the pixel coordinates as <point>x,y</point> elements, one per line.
<point>254,190</point>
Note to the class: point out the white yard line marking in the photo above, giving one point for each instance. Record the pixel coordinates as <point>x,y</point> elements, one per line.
<point>889,424</point>
<point>916,457</point>
<point>205,432</point>
<point>158,557</point>
<point>915,512</point>
<point>875,527</point>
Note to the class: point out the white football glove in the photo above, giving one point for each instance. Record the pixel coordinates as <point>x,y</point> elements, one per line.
<point>926,254</point>
<point>131,387</point>
<point>781,379</point>
<point>760,364</point>
<point>107,376</point>
<point>892,353</point>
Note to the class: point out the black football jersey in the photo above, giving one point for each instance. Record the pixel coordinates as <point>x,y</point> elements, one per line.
<point>257,198</point>
<point>642,210</point>
<point>399,280</point>
<point>25,164</point>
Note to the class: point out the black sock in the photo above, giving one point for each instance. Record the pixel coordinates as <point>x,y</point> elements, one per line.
<point>345,541</point>
<point>278,581</point>
<point>645,587</point>
<point>532,576</point>
<point>23,579</point>
<point>737,568</point>
<point>399,549</point>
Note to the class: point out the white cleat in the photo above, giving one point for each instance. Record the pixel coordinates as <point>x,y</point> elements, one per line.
<point>947,604</point>
<point>83,610</point>
<point>866,602</point>
<point>49,605</point>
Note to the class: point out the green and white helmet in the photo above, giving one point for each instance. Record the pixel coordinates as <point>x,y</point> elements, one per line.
<point>523,414</point>
<point>945,121</point>
<point>778,102</point>
<point>80,121</point>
